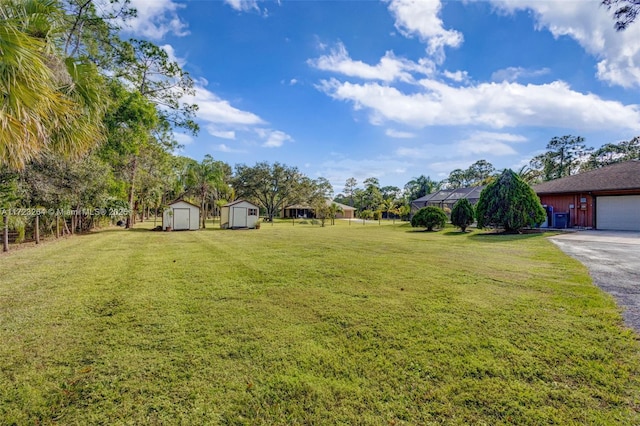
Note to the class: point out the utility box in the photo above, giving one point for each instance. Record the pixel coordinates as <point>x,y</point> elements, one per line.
<point>561,220</point>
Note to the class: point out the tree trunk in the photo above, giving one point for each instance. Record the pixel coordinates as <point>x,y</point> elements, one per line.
<point>37,229</point>
<point>203,211</point>
<point>57,226</point>
<point>134,166</point>
<point>5,233</point>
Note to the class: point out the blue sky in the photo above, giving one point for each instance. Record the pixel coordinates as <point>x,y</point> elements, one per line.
<point>396,89</point>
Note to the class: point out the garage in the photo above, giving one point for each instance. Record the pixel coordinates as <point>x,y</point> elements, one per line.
<point>618,213</point>
<point>606,198</point>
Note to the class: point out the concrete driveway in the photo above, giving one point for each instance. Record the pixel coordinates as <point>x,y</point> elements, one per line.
<point>613,259</point>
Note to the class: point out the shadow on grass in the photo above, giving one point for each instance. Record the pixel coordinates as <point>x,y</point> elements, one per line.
<point>496,237</point>
<point>457,233</point>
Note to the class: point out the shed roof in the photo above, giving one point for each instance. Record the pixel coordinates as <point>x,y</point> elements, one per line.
<point>233,203</point>
<point>620,176</point>
<point>180,200</point>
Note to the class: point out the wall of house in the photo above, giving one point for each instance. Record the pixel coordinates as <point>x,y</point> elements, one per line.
<point>346,214</point>
<point>580,207</point>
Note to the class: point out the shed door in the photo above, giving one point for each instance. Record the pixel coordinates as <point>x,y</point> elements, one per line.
<point>180,219</point>
<point>620,213</point>
<point>239,217</point>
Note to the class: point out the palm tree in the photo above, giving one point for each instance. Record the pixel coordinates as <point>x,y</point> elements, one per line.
<point>388,206</point>
<point>49,103</point>
<point>202,178</point>
<point>334,209</point>
<point>419,187</point>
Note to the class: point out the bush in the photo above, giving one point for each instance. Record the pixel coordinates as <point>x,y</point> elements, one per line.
<point>366,214</point>
<point>462,214</point>
<point>509,203</point>
<point>429,217</point>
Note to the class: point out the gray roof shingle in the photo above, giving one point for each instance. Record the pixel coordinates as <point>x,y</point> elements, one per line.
<point>620,176</point>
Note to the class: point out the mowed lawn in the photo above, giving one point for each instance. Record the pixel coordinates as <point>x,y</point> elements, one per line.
<point>346,324</point>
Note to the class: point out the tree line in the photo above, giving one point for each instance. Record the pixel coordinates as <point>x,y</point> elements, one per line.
<point>87,125</point>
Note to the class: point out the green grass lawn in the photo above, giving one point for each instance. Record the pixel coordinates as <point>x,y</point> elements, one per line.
<point>347,324</point>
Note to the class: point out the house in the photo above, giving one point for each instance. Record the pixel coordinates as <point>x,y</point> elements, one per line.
<point>306,211</point>
<point>446,198</point>
<point>239,214</point>
<point>181,216</point>
<point>607,198</point>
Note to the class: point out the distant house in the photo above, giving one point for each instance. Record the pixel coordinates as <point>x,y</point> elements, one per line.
<point>305,211</point>
<point>446,198</point>
<point>607,198</point>
<point>181,216</point>
<point>239,214</point>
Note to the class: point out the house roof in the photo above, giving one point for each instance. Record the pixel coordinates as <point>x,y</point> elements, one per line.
<point>424,198</point>
<point>328,201</point>
<point>452,195</point>
<point>471,192</point>
<point>233,203</point>
<point>620,176</point>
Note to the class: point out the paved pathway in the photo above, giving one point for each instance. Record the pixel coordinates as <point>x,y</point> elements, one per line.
<point>613,259</point>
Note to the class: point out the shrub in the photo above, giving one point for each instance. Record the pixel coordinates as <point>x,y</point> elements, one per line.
<point>429,217</point>
<point>509,203</point>
<point>366,214</point>
<point>462,214</point>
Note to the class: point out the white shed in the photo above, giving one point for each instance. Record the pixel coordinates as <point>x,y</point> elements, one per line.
<point>239,214</point>
<point>181,216</point>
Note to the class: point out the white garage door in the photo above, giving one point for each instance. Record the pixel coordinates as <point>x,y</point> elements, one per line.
<point>180,219</point>
<point>618,213</point>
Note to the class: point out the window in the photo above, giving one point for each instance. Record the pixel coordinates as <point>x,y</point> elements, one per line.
<point>253,212</point>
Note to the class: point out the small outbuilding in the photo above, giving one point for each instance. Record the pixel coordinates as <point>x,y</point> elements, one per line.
<point>239,214</point>
<point>181,215</point>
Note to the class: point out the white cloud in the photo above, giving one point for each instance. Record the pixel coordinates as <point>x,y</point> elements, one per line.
<point>592,26</point>
<point>458,76</point>
<point>392,133</point>
<point>496,105</point>
<point>222,120</point>
<point>489,143</point>
<point>512,74</point>
<point>293,82</point>
<point>420,17</point>
<point>225,148</point>
<point>212,109</point>
<point>338,170</point>
<point>418,153</point>
<point>172,55</point>
<point>243,5</point>
<point>274,138</point>
<point>183,138</point>
<point>219,133</point>
<point>388,69</point>
<point>156,18</point>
